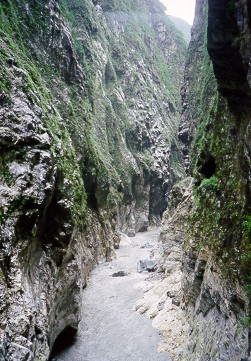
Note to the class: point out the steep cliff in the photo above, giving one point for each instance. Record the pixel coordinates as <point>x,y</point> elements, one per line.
<point>210,311</point>
<point>216,261</point>
<point>89,112</point>
<point>89,115</point>
<point>183,27</point>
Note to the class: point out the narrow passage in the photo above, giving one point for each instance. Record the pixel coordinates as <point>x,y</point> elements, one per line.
<point>110,329</point>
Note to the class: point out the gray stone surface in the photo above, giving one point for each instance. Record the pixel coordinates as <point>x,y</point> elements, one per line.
<point>120,274</point>
<point>193,297</point>
<point>146,265</point>
<point>57,145</point>
<point>147,245</point>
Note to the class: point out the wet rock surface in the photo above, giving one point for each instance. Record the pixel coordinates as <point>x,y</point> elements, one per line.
<point>111,330</point>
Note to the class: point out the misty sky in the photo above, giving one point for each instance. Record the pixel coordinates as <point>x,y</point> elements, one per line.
<point>183,9</point>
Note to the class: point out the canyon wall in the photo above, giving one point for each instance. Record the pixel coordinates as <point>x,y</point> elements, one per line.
<point>89,112</point>
<point>96,139</point>
<point>206,229</point>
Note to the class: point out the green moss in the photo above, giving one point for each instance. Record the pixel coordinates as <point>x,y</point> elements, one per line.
<point>5,84</point>
<point>247,226</point>
<point>87,126</point>
<point>246,322</point>
<point>219,201</point>
<point>246,249</point>
<point>210,183</point>
<point>76,10</point>
<point>120,5</point>
<point>34,86</point>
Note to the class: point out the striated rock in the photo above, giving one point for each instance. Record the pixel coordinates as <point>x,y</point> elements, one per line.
<point>150,109</point>
<point>202,306</point>
<point>215,272</point>
<point>214,266</point>
<point>89,118</point>
<point>87,123</point>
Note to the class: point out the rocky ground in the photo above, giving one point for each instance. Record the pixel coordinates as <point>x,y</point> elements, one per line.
<point>111,330</point>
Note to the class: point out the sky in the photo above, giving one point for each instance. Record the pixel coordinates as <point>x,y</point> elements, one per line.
<point>183,9</point>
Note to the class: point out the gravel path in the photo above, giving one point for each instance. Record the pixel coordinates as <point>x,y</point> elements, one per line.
<point>110,329</point>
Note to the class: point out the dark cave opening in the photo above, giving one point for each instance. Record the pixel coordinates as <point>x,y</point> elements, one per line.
<point>208,168</point>
<point>64,340</point>
<point>92,200</point>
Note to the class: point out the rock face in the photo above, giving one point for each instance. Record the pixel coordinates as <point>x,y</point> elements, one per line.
<point>89,109</point>
<point>183,27</point>
<point>89,116</point>
<point>162,302</point>
<point>213,248</point>
<point>139,84</point>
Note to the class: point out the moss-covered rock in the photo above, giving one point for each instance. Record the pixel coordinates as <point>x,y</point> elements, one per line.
<point>89,107</point>
<point>215,133</point>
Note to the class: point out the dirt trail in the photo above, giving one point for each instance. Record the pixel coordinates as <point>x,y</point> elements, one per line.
<point>110,329</point>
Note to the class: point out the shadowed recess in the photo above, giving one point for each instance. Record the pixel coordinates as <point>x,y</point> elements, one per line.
<point>65,340</point>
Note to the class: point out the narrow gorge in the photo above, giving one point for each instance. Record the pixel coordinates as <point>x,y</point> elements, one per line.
<point>111,124</point>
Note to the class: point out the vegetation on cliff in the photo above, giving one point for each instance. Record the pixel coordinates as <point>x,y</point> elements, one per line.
<point>215,133</point>
<point>218,158</point>
<point>89,111</point>
<point>126,155</point>
<point>89,114</point>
